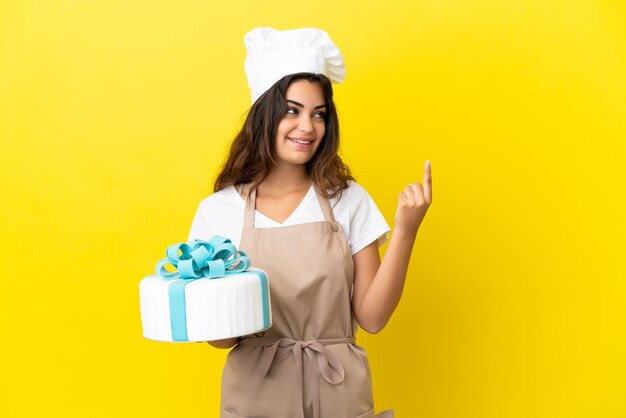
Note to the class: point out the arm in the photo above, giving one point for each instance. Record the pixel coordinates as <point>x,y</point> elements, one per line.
<point>378,286</point>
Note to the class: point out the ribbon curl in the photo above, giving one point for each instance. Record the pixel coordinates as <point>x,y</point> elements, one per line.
<point>196,259</point>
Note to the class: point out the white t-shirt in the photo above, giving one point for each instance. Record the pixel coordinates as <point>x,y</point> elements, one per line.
<point>222,214</point>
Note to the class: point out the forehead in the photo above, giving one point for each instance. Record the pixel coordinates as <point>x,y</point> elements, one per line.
<point>305,92</point>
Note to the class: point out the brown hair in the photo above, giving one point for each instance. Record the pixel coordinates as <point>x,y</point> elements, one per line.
<point>252,153</point>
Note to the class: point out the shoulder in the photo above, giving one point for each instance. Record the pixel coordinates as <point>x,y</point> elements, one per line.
<point>220,213</point>
<point>353,203</point>
<point>224,199</point>
<point>353,194</point>
<point>360,218</point>
<point>356,190</point>
<point>223,204</point>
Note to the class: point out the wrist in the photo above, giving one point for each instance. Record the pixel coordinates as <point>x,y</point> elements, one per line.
<point>404,233</point>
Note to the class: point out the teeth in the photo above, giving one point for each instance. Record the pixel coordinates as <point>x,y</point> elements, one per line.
<point>301,142</point>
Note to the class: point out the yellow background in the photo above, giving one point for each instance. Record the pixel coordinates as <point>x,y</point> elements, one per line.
<point>115,116</point>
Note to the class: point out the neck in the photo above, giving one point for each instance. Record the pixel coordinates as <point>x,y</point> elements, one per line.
<point>285,178</point>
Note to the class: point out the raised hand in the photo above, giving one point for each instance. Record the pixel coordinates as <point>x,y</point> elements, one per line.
<point>413,203</point>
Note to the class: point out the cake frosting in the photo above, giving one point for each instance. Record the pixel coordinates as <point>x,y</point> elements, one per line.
<point>225,307</point>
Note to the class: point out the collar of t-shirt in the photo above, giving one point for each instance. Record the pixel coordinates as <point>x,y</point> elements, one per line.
<point>308,210</point>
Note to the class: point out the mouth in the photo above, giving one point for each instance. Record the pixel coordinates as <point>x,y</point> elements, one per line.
<point>301,141</point>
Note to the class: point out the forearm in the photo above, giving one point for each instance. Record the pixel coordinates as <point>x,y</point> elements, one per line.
<point>383,294</point>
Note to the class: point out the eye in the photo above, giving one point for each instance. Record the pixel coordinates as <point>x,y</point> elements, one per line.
<point>292,111</point>
<point>320,115</point>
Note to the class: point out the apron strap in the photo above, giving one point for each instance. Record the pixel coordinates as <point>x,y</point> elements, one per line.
<point>325,204</point>
<point>248,217</point>
<point>312,361</point>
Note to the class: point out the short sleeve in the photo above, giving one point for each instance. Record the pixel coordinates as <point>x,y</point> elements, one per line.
<point>367,223</point>
<point>219,214</point>
<point>200,227</point>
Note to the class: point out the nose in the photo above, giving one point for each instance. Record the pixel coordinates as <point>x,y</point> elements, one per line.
<point>305,124</point>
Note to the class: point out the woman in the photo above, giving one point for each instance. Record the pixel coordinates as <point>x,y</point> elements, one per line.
<point>316,232</point>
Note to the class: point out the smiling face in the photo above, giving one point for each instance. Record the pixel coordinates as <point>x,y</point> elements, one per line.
<point>303,125</point>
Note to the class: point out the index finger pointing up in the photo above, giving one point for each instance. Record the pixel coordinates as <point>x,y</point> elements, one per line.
<point>428,183</point>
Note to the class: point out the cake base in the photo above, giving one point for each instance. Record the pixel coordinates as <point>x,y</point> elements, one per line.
<point>213,309</point>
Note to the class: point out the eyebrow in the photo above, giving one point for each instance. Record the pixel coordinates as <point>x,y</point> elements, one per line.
<point>301,105</point>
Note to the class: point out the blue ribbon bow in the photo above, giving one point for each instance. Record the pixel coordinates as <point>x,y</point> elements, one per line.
<point>197,259</point>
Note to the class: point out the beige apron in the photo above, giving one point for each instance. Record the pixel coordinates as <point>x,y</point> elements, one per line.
<point>307,365</point>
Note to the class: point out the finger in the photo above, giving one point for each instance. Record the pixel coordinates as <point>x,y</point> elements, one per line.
<point>428,182</point>
<point>409,192</point>
<point>427,173</point>
<point>418,192</point>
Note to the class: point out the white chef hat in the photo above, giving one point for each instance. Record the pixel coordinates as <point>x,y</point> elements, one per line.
<point>273,54</point>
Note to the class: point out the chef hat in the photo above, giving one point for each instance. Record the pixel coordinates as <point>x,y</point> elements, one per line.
<point>273,54</point>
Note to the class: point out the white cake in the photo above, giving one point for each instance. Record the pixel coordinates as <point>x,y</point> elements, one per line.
<point>205,309</point>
